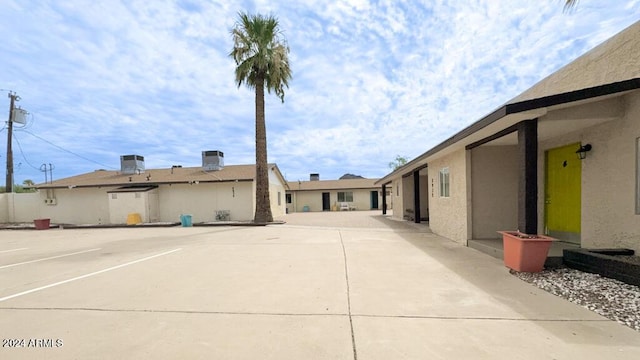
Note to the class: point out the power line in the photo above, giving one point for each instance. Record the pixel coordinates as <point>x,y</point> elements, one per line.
<point>67,151</point>
<point>22,152</point>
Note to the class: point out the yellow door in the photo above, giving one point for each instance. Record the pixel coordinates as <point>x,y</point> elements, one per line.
<point>563,193</point>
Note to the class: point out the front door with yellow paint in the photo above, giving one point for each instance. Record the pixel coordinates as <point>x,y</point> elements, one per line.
<point>563,193</point>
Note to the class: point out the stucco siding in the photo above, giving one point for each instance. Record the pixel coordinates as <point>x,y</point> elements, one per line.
<point>313,199</point>
<point>408,194</point>
<point>609,218</point>
<point>21,207</point>
<point>448,215</point>
<point>424,194</point>
<point>608,215</point>
<point>276,194</point>
<point>616,59</point>
<point>397,189</point>
<point>76,206</point>
<point>204,199</point>
<point>494,190</point>
<point>4,207</point>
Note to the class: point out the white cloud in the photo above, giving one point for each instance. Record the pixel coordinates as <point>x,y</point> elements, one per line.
<point>371,79</point>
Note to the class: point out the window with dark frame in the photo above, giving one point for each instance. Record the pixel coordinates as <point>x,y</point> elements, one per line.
<point>345,196</point>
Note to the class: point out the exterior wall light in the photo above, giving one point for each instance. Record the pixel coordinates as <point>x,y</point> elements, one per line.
<point>582,151</point>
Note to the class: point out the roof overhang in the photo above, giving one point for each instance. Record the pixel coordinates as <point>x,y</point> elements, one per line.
<point>130,189</point>
<point>124,184</point>
<point>507,116</point>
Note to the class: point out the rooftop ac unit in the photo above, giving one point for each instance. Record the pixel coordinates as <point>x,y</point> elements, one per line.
<point>212,160</point>
<point>131,164</point>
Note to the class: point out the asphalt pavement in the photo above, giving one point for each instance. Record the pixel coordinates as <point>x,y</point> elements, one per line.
<point>350,285</point>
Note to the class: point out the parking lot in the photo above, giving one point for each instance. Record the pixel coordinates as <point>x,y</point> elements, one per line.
<point>352,285</point>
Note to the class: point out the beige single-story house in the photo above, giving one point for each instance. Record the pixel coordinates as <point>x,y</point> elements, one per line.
<point>562,158</point>
<point>211,192</point>
<point>333,195</point>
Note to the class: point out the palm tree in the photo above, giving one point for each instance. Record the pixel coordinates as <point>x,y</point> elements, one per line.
<point>261,55</point>
<point>570,4</point>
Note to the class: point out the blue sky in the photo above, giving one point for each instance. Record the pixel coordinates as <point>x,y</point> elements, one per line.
<point>371,79</point>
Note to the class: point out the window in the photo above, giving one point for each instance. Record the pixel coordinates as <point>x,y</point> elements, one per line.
<point>114,196</point>
<point>288,198</point>
<point>444,182</point>
<point>345,196</point>
<point>279,198</point>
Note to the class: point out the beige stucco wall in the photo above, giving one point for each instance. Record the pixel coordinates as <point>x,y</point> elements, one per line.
<point>4,207</point>
<point>448,216</point>
<point>424,193</point>
<point>20,207</point>
<point>276,194</point>
<point>616,59</point>
<point>202,200</point>
<point>407,198</point>
<point>397,190</point>
<point>494,190</point>
<point>124,203</point>
<point>609,178</point>
<point>73,206</point>
<point>313,199</point>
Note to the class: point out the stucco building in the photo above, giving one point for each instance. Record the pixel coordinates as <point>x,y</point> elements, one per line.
<point>562,158</point>
<point>330,195</point>
<point>211,192</point>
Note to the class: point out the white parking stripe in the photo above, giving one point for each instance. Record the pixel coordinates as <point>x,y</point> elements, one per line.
<point>4,251</point>
<point>87,275</point>
<point>49,258</point>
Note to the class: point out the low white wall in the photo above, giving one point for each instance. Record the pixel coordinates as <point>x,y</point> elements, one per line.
<point>19,207</point>
<point>4,207</point>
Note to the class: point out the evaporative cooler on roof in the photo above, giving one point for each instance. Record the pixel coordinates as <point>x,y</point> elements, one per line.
<point>131,164</point>
<point>212,160</point>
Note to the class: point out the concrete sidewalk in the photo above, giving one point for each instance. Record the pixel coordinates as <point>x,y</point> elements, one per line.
<point>323,286</point>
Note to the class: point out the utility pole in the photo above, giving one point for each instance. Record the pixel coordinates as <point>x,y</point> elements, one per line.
<point>9,183</point>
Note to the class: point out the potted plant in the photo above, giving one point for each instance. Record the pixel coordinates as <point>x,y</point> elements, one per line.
<point>524,252</point>
<point>42,224</point>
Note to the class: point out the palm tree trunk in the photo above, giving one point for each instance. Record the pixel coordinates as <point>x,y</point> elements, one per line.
<point>263,203</point>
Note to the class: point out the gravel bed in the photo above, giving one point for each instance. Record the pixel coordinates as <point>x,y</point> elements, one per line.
<point>610,298</point>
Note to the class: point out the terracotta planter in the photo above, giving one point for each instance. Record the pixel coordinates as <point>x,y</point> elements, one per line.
<point>525,253</point>
<point>42,224</point>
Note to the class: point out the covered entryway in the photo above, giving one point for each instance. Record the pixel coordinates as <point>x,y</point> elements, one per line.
<point>374,200</point>
<point>326,201</point>
<point>563,193</point>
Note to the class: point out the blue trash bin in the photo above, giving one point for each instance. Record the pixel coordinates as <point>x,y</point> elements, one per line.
<point>185,220</point>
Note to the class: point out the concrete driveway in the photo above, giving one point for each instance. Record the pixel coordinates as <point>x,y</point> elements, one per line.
<point>351,285</point>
